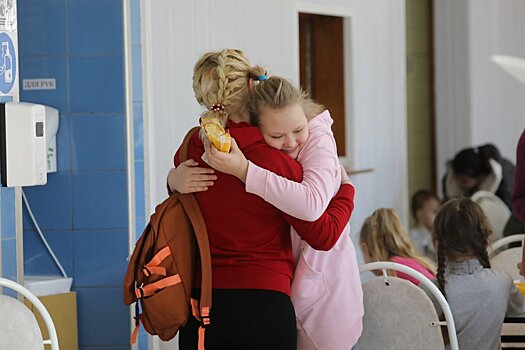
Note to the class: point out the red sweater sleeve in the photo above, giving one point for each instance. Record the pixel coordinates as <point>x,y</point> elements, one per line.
<point>323,233</point>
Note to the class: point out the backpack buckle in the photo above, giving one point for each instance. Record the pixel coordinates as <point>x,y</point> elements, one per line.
<point>205,321</point>
<point>139,293</point>
<point>205,317</point>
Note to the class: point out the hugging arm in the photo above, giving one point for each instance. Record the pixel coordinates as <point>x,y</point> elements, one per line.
<point>323,233</point>
<point>189,177</point>
<point>306,200</point>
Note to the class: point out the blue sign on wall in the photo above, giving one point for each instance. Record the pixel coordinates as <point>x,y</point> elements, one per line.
<point>7,63</point>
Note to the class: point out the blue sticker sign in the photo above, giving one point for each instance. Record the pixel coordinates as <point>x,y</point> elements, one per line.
<point>7,63</point>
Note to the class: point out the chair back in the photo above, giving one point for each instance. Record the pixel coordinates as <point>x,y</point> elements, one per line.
<point>504,259</point>
<point>507,261</point>
<point>18,326</point>
<point>400,315</point>
<point>496,210</point>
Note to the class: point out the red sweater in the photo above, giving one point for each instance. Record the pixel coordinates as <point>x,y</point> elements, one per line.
<point>249,238</point>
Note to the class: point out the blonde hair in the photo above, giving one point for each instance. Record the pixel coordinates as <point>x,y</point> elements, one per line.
<point>385,237</point>
<point>221,78</point>
<point>276,93</point>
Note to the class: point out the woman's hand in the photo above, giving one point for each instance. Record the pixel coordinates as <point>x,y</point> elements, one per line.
<point>344,176</point>
<point>188,177</point>
<point>233,163</point>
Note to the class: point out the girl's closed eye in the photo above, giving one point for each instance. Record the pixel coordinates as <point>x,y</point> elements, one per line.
<point>276,137</point>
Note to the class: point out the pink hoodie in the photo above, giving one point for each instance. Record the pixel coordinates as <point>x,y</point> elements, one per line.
<point>326,288</point>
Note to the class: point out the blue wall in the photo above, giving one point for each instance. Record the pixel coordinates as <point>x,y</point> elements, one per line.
<point>138,128</point>
<point>83,208</point>
<point>8,231</point>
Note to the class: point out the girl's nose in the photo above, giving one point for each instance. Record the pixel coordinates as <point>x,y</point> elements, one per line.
<point>290,142</point>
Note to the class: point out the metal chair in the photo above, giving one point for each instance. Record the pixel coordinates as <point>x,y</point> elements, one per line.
<point>506,260</point>
<point>495,209</point>
<point>400,315</point>
<point>18,326</point>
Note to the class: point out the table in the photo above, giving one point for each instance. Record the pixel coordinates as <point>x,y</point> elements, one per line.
<point>513,333</point>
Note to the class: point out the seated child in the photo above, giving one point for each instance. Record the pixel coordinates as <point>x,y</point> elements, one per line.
<point>479,297</point>
<point>425,206</point>
<point>383,238</point>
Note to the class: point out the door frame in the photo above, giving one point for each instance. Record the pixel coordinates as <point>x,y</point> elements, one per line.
<point>346,12</point>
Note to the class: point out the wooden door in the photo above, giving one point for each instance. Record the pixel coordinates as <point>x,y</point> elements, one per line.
<point>322,67</point>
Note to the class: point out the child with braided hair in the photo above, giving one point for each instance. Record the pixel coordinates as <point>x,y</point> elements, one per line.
<point>479,297</point>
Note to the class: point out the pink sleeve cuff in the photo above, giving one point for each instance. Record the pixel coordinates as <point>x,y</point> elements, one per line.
<point>256,179</point>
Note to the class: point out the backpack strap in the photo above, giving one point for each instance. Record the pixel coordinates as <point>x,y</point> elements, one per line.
<point>153,266</point>
<point>199,227</point>
<point>201,234</point>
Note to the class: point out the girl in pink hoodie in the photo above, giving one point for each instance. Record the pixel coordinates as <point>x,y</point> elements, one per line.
<point>326,288</point>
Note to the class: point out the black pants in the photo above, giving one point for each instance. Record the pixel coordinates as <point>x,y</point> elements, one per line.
<point>245,319</point>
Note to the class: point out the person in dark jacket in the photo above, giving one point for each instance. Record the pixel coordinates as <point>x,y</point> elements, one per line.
<point>483,169</point>
<point>479,169</point>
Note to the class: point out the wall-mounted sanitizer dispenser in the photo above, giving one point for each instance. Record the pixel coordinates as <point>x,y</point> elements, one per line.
<point>51,126</point>
<point>23,144</point>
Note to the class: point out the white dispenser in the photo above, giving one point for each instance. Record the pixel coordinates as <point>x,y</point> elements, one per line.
<point>23,144</point>
<point>51,137</point>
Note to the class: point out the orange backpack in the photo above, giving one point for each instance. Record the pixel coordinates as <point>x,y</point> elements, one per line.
<point>160,273</point>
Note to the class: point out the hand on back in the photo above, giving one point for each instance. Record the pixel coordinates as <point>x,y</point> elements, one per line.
<point>188,177</point>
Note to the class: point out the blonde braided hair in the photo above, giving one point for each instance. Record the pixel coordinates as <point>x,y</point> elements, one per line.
<point>221,77</point>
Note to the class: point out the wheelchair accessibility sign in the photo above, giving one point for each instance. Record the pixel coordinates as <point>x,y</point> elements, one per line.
<point>7,64</point>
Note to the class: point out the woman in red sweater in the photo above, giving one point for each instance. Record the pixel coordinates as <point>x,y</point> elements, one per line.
<point>252,259</point>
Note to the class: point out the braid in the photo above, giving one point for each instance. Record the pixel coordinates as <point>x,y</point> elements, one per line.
<point>484,257</point>
<point>220,83</point>
<point>442,263</point>
<point>222,80</point>
<point>479,246</point>
<point>485,231</point>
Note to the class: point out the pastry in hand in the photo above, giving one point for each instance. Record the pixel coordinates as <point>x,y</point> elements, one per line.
<point>216,133</point>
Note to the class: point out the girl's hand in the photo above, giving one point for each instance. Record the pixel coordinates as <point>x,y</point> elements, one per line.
<point>233,163</point>
<point>188,177</point>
